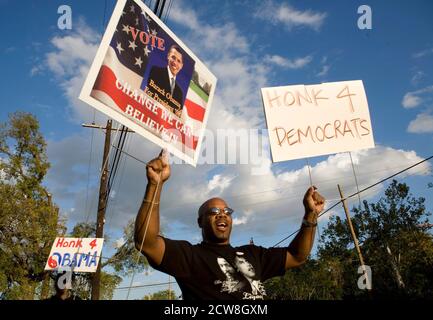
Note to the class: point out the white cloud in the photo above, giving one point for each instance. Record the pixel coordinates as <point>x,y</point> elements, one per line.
<point>288,63</point>
<point>422,124</point>
<point>186,17</point>
<point>224,38</point>
<point>73,51</point>
<point>243,218</point>
<point>290,17</point>
<point>423,53</point>
<point>417,77</point>
<point>325,67</point>
<point>220,182</point>
<point>70,61</point>
<point>412,99</point>
<point>239,221</point>
<point>36,70</point>
<point>324,71</point>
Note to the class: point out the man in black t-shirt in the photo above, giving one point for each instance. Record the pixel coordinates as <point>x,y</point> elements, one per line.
<point>213,269</point>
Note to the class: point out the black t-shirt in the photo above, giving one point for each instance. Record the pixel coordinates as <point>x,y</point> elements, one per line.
<point>57,298</point>
<point>221,272</point>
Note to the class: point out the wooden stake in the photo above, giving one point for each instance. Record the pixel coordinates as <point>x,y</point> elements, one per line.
<point>355,239</point>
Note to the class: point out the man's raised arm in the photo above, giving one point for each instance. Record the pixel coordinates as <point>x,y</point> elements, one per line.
<point>147,221</point>
<point>300,248</point>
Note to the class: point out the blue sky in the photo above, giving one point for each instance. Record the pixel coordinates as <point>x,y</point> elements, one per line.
<point>247,45</point>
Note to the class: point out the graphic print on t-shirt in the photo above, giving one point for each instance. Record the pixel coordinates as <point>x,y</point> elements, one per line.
<point>240,280</point>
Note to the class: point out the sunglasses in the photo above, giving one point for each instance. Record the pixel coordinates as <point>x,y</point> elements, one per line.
<point>217,211</point>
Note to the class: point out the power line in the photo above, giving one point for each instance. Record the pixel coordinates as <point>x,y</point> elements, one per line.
<point>285,198</point>
<point>263,191</point>
<point>102,171</point>
<point>89,165</point>
<point>338,202</point>
<point>116,159</point>
<point>363,190</point>
<point>113,203</point>
<point>170,4</point>
<point>144,286</point>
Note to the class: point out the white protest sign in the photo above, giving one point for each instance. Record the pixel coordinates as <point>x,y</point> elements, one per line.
<point>313,120</point>
<point>78,254</point>
<point>146,78</point>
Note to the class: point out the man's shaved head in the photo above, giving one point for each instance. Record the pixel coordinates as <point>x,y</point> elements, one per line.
<point>212,202</point>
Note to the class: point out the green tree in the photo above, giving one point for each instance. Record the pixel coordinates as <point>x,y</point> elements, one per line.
<point>396,222</point>
<point>315,280</point>
<point>161,295</point>
<point>28,219</point>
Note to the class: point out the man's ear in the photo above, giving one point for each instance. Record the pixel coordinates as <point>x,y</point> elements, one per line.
<point>199,221</point>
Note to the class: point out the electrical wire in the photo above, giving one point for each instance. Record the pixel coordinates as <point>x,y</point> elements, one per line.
<point>113,204</point>
<point>263,191</point>
<point>144,285</point>
<point>363,190</point>
<point>89,164</point>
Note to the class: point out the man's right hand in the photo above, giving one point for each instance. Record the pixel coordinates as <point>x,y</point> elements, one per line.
<point>158,169</point>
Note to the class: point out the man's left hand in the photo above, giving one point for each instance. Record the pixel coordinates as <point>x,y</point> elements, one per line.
<point>313,201</point>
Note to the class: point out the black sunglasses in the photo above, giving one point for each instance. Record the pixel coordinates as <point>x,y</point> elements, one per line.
<point>217,211</point>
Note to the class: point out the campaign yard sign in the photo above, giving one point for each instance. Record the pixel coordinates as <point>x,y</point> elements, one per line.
<point>146,78</point>
<point>313,120</point>
<point>76,254</point>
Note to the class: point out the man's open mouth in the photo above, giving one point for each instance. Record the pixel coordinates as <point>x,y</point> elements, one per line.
<point>222,226</point>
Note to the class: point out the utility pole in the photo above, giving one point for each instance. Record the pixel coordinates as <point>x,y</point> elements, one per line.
<point>45,290</point>
<point>355,239</point>
<point>102,205</point>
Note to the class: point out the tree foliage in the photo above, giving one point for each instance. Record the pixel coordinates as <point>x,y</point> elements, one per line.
<point>28,220</point>
<point>316,280</point>
<point>395,242</point>
<point>161,295</point>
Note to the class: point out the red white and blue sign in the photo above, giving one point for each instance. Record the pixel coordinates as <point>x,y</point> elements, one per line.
<point>76,254</point>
